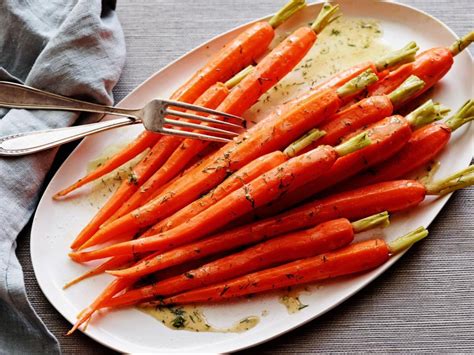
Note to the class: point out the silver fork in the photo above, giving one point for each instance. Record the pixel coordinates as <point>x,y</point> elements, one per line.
<point>153,116</point>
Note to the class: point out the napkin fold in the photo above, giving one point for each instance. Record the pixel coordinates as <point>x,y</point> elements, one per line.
<point>74,48</point>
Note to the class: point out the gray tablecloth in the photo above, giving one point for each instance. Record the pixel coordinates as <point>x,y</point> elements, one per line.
<point>424,303</point>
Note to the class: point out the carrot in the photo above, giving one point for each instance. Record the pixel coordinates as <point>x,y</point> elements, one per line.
<point>430,66</point>
<point>423,146</point>
<point>325,237</point>
<point>240,52</point>
<point>388,135</point>
<point>267,73</point>
<point>143,170</point>
<point>392,196</point>
<point>232,183</point>
<point>232,157</point>
<point>263,189</point>
<point>349,260</point>
<point>366,111</point>
<point>379,67</point>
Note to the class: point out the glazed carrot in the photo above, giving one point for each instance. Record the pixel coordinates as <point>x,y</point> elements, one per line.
<point>392,196</point>
<point>144,169</point>
<point>355,258</point>
<point>265,188</point>
<point>379,67</point>
<point>267,73</point>
<point>423,146</point>
<point>231,157</point>
<point>323,238</point>
<point>243,176</point>
<point>430,66</point>
<point>240,52</point>
<point>388,135</point>
<point>365,112</point>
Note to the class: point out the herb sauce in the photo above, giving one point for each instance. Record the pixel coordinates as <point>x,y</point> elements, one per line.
<point>102,188</point>
<point>291,300</point>
<point>191,318</point>
<point>344,43</point>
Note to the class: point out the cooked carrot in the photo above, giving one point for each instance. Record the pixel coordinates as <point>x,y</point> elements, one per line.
<point>156,157</point>
<point>423,146</point>
<point>388,135</point>
<point>240,52</point>
<point>363,113</point>
<point>231,157</point>
<point>323,238</point>
<point>267,73</point>
<point>392,196</point>
<point>430,66</point>
<point>352,259</point>
<point>265,188</point>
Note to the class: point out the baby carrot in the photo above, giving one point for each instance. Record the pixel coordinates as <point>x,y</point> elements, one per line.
<point>240,52</point>
<point>323,238</point>
<point>352,259</point>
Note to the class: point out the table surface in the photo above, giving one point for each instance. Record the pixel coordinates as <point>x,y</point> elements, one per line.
<point>425,303</point>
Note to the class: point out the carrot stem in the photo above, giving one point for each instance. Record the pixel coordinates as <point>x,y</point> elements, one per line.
<point>286,12</point>
<point>462,43</point>
<point>400,56</point>
<point>426,113</point>
<point>461,179</point>
<point>406,89</point>
<point>357,84</point>
<point>355,143</point>
<point>325,17</point>
<point>312,136</point>
<point>407,240</point>
<point>462,116</point>
<point>377,220</point>
<point>237,78</point>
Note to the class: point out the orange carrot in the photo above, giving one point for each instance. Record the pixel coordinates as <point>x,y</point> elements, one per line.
<point>424,144</point>
<point>231,157</point>
<point>240,52</point>
<point>325,237</point>
<point>430,66</point>
<point>265,188</point>
<point>267,73</point>
<point>144,169</point>
<point>349,260</point>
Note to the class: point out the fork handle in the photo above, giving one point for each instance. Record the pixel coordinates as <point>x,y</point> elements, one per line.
<point>14,95</point>
<point>32,142</point>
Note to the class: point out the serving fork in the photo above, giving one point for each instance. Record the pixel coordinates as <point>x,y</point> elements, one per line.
<point>155,116</point>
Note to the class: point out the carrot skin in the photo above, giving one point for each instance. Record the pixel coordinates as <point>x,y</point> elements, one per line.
<point>356,116</point>
<point>349,260</point>
<point>230,158</point>
<point>424,145</point>
<point>325,237</point>
<point>265,75</point>
<point>232,183</point>
<point>239,53</point>
<point>258,192</point>
<point>154,159</point>
<point>430,66</point>
<point>393,196</point>
<point>388,136</point>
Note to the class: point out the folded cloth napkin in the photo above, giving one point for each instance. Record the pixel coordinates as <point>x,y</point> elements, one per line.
<point>71,47</point>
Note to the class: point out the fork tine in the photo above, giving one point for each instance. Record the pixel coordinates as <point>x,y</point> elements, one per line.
<point>200,118</point>
<point>200,109</point>
<point>198,126</point>
<point>187,134</point>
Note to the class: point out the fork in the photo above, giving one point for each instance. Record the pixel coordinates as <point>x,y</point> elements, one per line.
<point>153,116</point>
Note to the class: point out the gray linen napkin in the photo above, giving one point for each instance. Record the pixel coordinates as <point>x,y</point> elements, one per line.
<point>71,47</point>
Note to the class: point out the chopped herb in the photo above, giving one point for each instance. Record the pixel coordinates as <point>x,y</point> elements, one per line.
<point>335,32</point>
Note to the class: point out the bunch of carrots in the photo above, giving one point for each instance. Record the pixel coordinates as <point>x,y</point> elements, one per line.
<point>280,204</point>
